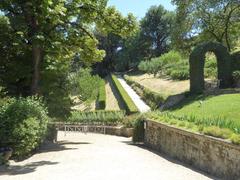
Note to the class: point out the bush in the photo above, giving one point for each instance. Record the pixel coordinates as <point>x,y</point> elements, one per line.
<point>235,138</point>
<point>102,95</point>
<point>170,64</point>
<point>138,131</point>
<point>210,68</point>
<point>83,84</point>
<point>218,132</point>
<point>105,117</point>
<point>130,120</point>
<point>129,104</point>
<point>23,125</point>
<point>153,99</point>
<point>51,134</point>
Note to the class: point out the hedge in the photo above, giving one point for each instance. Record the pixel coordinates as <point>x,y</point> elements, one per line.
<point>153,99</point>
<point>197,59</point>
<point>128,103</point>
<point>99,116</point>
<point>102,95</point>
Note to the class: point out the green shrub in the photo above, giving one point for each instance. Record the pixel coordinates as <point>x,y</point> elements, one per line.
<point>210,68</point>
<point>130,120</point>
<point>235,138</point>
<point>106,117</point>
<point>179,74</point>
<point>218,132</point>
<point>102,95</point>
<point>138,131</point>
<point>129,104</point>
<point>23,125</point>
<point>51,134</point>
<point>171,64</point>
<point>153,99</point>
<point>83,84</point>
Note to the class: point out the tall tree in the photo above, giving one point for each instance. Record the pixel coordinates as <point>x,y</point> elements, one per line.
<point>212,20</point>
<point>53,31</point>
<point>156,29</point>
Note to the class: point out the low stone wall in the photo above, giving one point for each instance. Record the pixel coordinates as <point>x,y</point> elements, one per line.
<point>212,155</point>
<point>119,131</point>
<point>111,130</point>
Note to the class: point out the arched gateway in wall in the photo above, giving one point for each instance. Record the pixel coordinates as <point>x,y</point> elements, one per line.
<point>197,61</point>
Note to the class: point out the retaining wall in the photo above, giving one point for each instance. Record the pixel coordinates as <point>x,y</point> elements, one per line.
<point>212,155</point>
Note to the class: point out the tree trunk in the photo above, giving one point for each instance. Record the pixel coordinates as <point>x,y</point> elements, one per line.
<point>36,57</point>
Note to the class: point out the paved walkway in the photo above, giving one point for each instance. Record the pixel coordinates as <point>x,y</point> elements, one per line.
<point>97,157</point>
<point>141,105</point>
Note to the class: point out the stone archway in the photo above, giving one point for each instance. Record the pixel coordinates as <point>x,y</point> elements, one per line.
<point>197,61</point>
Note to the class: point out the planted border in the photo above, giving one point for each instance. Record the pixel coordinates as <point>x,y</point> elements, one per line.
<point>153,99</point>
<point>128,103</point>
<point>219,128</point>
<point>102,96</point>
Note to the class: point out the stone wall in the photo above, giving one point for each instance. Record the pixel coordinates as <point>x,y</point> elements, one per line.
<point>214,156</point>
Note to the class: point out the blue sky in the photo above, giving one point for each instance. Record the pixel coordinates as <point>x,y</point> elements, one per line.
<point>139,7</point>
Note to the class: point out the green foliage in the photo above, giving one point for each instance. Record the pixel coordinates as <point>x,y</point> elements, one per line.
<point>235,138</point>
<point>55,88</point>
<point>235,61</point>
<point>51,134</point>
<point>210,68</point>
<point>130,120</point>
<point>171,64</point>
<point>106,117</point>
<point>216,127</point>
<point>138,131</point>
<point>221,110</point>
<point>129,104</point>
<point>102,95</point>
<point>218,132</point>
<point>204,20</point>
<point>197,58</point>
<point>23,125</point>
<point>84,84</point>
<point>153,99</point>
<point>156,28</point>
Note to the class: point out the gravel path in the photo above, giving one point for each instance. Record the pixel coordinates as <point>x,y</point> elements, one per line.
<point>141,105</point>
<point>97,157</point>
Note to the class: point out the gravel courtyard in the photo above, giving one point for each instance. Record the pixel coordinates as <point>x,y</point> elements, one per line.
<point>97,157</point>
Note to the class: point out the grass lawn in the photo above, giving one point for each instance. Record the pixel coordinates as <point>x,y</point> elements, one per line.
<point>163,86</point>
<point>225,106</point>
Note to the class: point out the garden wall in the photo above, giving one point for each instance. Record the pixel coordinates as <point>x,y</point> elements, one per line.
<point>212,155</point>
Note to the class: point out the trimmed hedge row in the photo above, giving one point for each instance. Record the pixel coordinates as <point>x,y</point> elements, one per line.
<point>128,103</point>
<point>106,117</point>
<point>153,99</point>
<point>102,95</point>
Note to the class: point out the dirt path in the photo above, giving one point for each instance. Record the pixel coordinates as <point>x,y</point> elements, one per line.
<point>113,101</point>
<point>97,157</point>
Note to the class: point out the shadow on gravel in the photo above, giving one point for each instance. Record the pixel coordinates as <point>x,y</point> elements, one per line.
<point>23,169</point>
<point>59,146</point>
<point>168,158</point>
